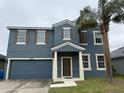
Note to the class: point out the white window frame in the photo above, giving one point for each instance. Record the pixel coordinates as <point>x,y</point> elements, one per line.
<point>97,62</point>
<point>84,43</point>
<point>89,62</point>
<point>66,28</point>
<point>21,43</point>
<point>41,43</point>
<point>94,32</point>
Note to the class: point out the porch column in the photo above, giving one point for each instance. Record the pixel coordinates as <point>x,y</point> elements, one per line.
<point>8,68</point>
<point>55,66</point>
<point>81,70</point>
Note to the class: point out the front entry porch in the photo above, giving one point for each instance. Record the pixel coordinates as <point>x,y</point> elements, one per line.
<point>68,65</point>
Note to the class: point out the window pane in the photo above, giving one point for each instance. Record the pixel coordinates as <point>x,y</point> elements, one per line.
<point>85,61</point>
<point>85,65</point>
<point>41,37</point>
<point>100,58</point>
<point>66,33</point>
<point>21,36</point>
<point>98,37</point>
<point>85,58</point>
<point>98,40</point>
<point>101,65</point>
<point>21,33</point>
<point>21,39</point>
<point>83,37</point>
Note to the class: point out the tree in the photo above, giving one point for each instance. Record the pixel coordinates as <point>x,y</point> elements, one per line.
<point>112,10</point>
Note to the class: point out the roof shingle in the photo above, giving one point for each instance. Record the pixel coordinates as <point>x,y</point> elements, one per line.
<point>118,53</point>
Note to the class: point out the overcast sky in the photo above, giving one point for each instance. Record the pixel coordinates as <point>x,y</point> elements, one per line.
<point>45,13</point>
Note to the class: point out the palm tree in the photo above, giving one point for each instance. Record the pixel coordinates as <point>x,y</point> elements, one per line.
<point>112,10</point>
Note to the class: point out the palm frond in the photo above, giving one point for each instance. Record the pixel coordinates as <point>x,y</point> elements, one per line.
<point>111,11</point>
<point>87,19</point>
<point>118,19</point>
<point>116,10</point>
<point>101,3</point>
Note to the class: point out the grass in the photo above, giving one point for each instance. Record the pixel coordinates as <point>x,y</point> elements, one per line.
<point>94,85</point>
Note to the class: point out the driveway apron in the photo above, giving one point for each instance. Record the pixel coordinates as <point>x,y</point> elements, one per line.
<point>24,86</point>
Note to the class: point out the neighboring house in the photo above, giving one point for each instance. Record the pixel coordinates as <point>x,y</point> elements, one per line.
<point>58,52</point>
<point>117,57</point>
<point>2,62</point>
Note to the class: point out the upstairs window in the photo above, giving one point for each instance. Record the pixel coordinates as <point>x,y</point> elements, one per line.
<point>97,38</point>
<point>66,33</point>
<point>21,37</point>
<point>41,37</point>
<point>83,37</point>
<point>100,62</point>
<point>86,62</point>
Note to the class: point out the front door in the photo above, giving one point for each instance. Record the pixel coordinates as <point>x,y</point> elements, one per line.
<point>67,66</point>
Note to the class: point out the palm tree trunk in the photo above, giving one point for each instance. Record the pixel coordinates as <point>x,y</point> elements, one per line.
<point>107,55</point>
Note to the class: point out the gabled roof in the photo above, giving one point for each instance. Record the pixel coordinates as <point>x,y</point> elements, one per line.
<point>64,22</point>
<point>25,28</point>
<point>67,44</point>
<point>2,57</point>
<point>118,53</point>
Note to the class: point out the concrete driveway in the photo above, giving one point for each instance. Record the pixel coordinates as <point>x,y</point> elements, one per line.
<point>24,86</point>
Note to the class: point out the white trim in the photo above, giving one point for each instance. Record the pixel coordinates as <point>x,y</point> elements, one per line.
<point>97,62</point>
<point>83,31</point>
<point>94,38</point>
<point>62,67</point>
<point>81,69</point>
<point>30,58</point>
<point>21,43</point>
<point>89,62</point>
<point>66,39</point>
<point>83,44</point>
<point>9,62</point>
<point>66,28</point>
<point>8,68</point>
<point>54,72</point>
<point>67,43</point>
<point>39,43</point>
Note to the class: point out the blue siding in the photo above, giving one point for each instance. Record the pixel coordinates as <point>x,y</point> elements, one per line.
<point>30,49</point>
<point>94,73</point>
<point>31,69</point>
<point>92,50</point>
<point>58,35</point>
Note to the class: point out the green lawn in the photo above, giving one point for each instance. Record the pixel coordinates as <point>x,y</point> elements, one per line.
<point>94,85</point>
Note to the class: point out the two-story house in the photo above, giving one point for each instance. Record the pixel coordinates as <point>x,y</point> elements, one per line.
<point>58,52</point>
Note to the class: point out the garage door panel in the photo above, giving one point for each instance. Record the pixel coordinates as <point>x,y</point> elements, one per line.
<point>31,69</point>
